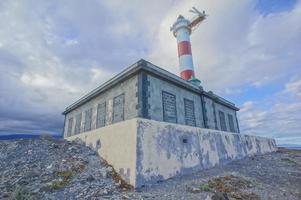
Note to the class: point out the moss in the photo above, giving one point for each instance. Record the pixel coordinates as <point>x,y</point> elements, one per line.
<point>66,178</point>
<point>65,174</point>
<point>205,187</point>
<point>289,161</point>
<point>57,185</point>
<point>233,186</point>
<point>118,179</point>
<point>78,168</point>
<point>20,193</point>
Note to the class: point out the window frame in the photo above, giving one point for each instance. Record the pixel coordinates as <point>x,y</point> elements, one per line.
<point>187,118</point>
<point>70,126</point>
<point>114,103</point>
<point>98,114</point>
<point>231,123</point>
<point>90,112</point>
<point>223,124</point>
<point>78,121</point>
<point>164,107</point>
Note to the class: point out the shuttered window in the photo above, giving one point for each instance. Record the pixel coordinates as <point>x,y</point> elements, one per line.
<point>189,112</point>
<point>101,115</point>
<point>88,119</point>
<point>169,107</point>
<point>70,125</point>
<point>118,108</point>
<point>231,123</point>
<point>222,121</point>
<point>78,121</point>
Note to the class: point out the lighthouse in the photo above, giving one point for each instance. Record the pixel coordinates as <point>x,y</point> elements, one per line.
<point>182,29</point>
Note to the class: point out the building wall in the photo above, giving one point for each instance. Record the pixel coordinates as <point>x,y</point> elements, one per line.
<point>128,88</point>
<point>212,109</point>
<point>165,149</point>
<point>226,111</point>
<point>143,98</point>
<point>146,151</point>
<point>117,145</point>
<point>155,111</point>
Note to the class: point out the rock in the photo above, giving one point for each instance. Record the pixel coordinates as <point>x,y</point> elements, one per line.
<point>125,197</point>
<point>54,169</point>
<point>90,178</point>
<point>208,198</point>
<point>220,196</point>
<point>193,189</point>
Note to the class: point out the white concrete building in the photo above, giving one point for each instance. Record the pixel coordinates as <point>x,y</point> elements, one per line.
<point>151,125</point>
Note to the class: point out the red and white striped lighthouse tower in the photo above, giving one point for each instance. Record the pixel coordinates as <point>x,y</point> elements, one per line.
<point>182,29</point>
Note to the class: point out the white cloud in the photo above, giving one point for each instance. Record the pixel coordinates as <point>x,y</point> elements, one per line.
<point>99,74</point>
<point>60,50</point>
<point>293,88</point>
<point>280,120</point>
<point>235,45</point>
<point>265,80</point>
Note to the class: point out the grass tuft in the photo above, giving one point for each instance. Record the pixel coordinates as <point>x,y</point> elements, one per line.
<point>289,161</point>
<point>205,187</point>
<point>20,193</point>
<point>66,178</point>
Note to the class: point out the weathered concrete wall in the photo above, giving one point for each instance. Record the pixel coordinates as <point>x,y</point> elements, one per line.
<point>143,98</point>
<point>146,151</point>
<point>165,150</point>
<point>156,86</point>
<point>117,145</point>
<point>128,88</point>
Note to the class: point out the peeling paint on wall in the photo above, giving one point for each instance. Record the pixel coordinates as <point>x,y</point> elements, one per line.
<point>161,152</point>
<point>146,151</point>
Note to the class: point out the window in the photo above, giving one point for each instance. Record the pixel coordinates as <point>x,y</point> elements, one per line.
<point>189,112</point>
<point>118,108</point>
<point>101,115</point>
<point>88,119</point>
<point>231,123</point>
<point>222,121</point>
<point>70,125</point>
<point>169,107</point>
<point>78,121</point>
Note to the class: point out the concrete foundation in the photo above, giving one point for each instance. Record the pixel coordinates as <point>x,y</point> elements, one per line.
<point>146,151</point>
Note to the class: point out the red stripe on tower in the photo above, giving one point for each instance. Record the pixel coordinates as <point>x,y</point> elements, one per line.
<point>184,48</point>
<point>187,74</point>
<point>182,29</point>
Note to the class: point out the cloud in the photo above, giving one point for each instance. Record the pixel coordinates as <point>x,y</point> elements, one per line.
<point>293,88</point>
<point>280,120</point>
<point>237,48</point>
<point>58,51</point>
<point>236,44</point>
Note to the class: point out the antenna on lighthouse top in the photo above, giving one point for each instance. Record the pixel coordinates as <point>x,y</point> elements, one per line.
<point>198,19</point>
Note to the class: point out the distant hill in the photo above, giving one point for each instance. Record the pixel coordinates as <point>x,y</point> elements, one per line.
<point>290,146</point>
<point>24,136</point>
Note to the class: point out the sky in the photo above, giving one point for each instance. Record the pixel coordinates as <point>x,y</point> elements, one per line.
<point>54,51</point>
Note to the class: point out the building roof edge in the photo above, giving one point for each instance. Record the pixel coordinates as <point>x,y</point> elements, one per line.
<point>153,69</point>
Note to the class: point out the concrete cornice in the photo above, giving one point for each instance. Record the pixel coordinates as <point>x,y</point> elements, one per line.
<point>151,69</point>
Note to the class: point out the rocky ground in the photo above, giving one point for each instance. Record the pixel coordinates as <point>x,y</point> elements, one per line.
<point>57,169</point>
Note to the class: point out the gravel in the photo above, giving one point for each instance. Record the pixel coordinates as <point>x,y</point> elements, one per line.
<point>271,176</point>
<point>54,169</point>
<point>58,169</point>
